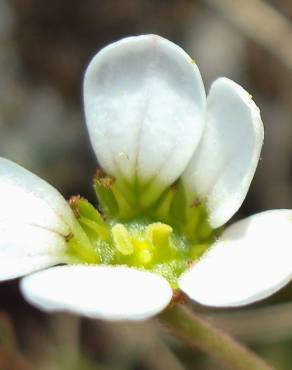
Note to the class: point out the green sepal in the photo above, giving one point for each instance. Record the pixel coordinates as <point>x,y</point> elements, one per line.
<point>79,247</point>
<point>161,209</point>
<point>89,218</point>
<point>114,197</point>
<point>178,206</point>
<point>82,208</point>
<point>77,253</point>
<point>103,189</point>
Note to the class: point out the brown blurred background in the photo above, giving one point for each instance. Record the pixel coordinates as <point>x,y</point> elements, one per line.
<point>44,49</point>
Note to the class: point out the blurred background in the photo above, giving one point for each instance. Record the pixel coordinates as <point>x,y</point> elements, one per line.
<point>44,49</point>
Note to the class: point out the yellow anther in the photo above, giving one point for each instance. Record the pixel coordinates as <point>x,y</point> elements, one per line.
<point>158,234</point>
<point>145,256</point>
<point>122,239</point>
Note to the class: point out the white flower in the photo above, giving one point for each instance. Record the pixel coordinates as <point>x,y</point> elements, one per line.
<point>35,222</point>
<point>150,124</point>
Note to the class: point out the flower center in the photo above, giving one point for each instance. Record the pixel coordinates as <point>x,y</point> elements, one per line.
<point>151,246</point>
<point>142,242</point>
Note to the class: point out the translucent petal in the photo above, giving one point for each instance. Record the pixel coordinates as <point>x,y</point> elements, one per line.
<point>144,104</point>
<point>251,260</point>
<point>103,292</point>
<point>223,166</point>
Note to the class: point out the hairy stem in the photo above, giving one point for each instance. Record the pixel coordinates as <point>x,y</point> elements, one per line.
<point>198,333</point>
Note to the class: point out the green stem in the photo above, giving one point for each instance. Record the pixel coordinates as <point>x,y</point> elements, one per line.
<point>198,333</point>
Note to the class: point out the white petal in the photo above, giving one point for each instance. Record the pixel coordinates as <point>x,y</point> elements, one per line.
<point>26,198</point>
<point>25,248</point>
<point>34,222</point>
<point>251,260</point>
<point>144,104</point>
<point>103,292</point>
<point>223,166</point>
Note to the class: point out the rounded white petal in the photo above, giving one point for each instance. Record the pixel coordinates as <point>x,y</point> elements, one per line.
<point>144,105</point>
<point>26,198</point>
<point>223,166</point>
<point>251,260</point>
<point>103,292</point>
<point>34,222</point>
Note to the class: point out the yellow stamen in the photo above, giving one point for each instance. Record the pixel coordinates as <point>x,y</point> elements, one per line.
<point>122,239</point>
<point>158,234</point>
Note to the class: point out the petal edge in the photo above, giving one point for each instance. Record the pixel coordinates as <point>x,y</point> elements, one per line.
<point>251,260</point>
<point>224,164</point>
<point>101,292</point>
